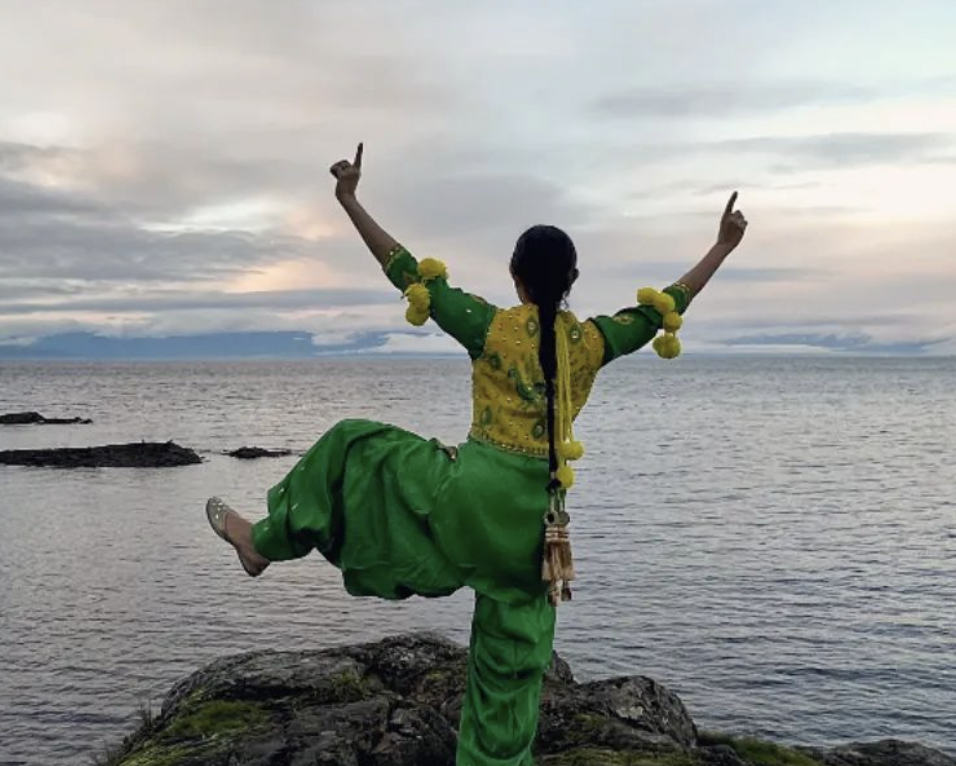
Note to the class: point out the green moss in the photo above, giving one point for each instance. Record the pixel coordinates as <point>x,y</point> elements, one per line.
<point>209,719</point>
<point>159,754</point>
<point>759,752</point>
<point>436,677</point>
<point>349,686</point>
<point>592,756</point>
<point>197,730</point>
<point>589,721</point>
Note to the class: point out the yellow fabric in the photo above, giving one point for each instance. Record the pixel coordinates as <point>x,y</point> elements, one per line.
<point>565,414</point>
<point>509,405</point>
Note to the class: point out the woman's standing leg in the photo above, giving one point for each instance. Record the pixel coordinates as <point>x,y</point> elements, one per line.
<point>509,652</point>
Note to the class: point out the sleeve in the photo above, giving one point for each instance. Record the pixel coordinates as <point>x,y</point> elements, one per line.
<point>631,328</point>
<point>464,316</point>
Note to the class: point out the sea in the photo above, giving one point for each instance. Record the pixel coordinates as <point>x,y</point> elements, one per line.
<point>774,539</point>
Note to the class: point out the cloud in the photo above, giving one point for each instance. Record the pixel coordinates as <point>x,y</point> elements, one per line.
<point>187,191</point>
<point>21,201</point>
<point>805,152</point>
<point>683,100</point>
<point>181,300</point>
<point>848,343</point>
<point>408,343</point>
<point>844,149</point>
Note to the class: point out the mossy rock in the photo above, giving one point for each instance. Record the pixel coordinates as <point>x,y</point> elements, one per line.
<point>349,686</point>
<point>589,756</point>
<point>198,731</point>
<point>759,752</point>
<point>158,754</point>
<point>216,718</point>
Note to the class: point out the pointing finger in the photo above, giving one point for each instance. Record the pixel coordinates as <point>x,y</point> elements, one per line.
<point>358,155</point>
<point>730,204</point>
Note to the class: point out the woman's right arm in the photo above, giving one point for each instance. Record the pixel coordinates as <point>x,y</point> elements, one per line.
<point>464,316</point>
<point>347,174</point>
<point>632,328</point>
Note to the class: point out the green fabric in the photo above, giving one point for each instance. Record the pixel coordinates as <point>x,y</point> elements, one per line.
<point>401,515</point>
<point>631,328</point>
<point>464,316</point>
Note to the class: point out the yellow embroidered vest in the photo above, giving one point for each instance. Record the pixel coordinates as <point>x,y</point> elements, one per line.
<point>509,405</point>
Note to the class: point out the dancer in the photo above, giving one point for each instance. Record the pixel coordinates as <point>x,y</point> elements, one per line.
<point>402,515</point>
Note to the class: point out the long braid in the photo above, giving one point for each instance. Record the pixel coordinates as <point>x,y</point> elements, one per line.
<point>548,358</point>
<point>546,263</point>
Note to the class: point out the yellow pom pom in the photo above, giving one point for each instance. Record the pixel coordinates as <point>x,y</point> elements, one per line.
<point>673,321</point>
<point>419,297</point>
<point>571,450</point>
<point>416,316</point>
<point>647,296</point>
<point>432,268</point>
<point>565,475</point>
<point>664,303</point>
<point>658,344</point>
<point>670,348</point>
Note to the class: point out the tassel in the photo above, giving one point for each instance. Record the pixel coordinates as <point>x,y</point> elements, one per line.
<point>557,567</point>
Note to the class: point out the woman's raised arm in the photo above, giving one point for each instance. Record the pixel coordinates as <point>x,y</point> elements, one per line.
<point>464,316</point>
<point>730,232</point>
<point>347,175</point>
<point>631,328</point>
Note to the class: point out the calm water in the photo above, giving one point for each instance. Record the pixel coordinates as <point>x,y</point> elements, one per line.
<point>775,540</point>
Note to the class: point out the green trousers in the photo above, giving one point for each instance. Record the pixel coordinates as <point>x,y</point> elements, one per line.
<point>401,515</point>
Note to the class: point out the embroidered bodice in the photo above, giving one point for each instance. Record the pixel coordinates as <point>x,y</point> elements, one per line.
<point>508,399</point>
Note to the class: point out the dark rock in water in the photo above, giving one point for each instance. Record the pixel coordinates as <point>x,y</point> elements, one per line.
<point>136,455</point>
<point>396,703</point>
<point>31,418</point>
<point>250,453</point>
<point>886,752</point>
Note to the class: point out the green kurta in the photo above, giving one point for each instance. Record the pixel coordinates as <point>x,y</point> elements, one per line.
<point>401,515</point>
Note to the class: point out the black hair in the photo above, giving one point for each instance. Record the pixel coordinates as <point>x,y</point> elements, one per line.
<point>546,263</point>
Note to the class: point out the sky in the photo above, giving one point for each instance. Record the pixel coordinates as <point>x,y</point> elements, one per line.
<point>164,165</point>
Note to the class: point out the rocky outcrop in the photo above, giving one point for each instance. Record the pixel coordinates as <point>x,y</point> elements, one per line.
<point>887,752</point>
<point>396,703</point>
<point>135,455</point>
<point>251,453</point>
<point>35,418</point>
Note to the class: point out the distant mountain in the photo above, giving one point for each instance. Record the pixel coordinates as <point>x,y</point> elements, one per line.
<point>303,345</point>
<point>227,345</point>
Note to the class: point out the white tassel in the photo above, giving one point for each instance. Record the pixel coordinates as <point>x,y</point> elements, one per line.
<point>557,566</point>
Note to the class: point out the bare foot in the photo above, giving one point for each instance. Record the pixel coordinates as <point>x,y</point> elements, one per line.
<point>239,533</point>
<point>236,531</point>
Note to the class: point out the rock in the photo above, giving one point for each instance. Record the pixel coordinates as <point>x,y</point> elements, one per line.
<point>31,418</point>
<point>135,455</point>
<point>886,752</point>
<point>396,703</point>
<point>720,755</point>
<point>250,453</point>
<point>620,714</point>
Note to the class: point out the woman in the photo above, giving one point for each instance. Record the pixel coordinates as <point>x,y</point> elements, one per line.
<point>402,515</point>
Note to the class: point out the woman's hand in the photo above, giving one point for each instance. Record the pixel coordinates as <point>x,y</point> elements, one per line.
<point>347,175</point>
<point>732,226</point>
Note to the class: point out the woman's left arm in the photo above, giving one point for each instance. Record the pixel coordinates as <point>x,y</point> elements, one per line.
<point>347,175</point>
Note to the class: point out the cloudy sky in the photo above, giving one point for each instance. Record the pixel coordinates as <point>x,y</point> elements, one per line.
<point>163,165</point>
